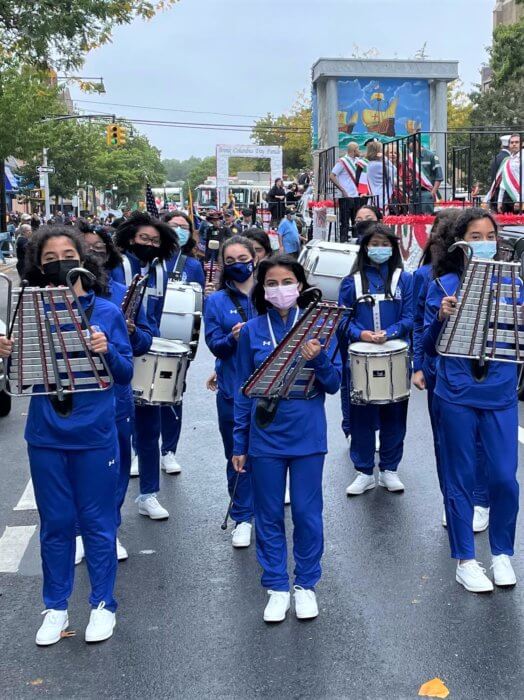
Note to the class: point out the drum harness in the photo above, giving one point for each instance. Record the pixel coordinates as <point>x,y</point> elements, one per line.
<point>377,298</point>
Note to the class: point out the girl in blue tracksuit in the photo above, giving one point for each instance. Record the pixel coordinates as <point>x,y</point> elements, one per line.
<point>144,240</point>
<point>73,453</point>
<point>378,272</point>
<point>473,405</point>
<point>424,365</point>
<point>100,245</point>
<point>295,441</point>
<point>184,268</point>
<point>226,311</point>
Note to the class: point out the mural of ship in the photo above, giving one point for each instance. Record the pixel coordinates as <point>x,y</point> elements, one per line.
<point>346,126</point>
<point>381,119</point>
<point>412,126</point>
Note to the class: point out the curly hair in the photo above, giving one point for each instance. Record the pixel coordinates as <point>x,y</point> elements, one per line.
<point>129,228</point>
<point>114,258</point>
<point>442,227</point>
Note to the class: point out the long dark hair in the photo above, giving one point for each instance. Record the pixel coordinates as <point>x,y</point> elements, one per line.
<point>129,228</point>
<point>234,240</point>
<point>454,261</point>
<point>289,262</point>
<point>32,271</point>
<point>113,256</point>
<point>187,248</point>
<point>261,237</point>
<point>444,221</point>
<point>363,259</point>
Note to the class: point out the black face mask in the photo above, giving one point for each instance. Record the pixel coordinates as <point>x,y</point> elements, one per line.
<point>100,257</point>
<point>145,253</point>
<point>361,228</point>
<point>55,272</point>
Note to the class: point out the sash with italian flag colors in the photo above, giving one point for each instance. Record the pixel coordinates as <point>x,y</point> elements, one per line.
<point>363,187</point>
<point>510,172</point>
<point>350,167</point>
<point>421,177</point>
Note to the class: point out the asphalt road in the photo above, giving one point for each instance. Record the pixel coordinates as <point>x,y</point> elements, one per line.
<point>190,623</point>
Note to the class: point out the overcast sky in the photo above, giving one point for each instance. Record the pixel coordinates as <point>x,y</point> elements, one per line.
<point>250,57</point>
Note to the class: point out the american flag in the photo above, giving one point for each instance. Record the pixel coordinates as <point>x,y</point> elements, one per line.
<point>150,202</point>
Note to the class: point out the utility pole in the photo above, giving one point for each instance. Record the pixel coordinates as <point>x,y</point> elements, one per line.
<point>44,183</point>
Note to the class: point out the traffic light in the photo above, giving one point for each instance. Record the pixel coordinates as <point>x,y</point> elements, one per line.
<point>121,135</point>
<point>112,134</point>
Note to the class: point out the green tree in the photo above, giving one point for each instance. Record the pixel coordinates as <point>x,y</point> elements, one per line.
<point>205,168</point>
<point>61,32</point>
<point>292,131</point>
<point>459,106</point>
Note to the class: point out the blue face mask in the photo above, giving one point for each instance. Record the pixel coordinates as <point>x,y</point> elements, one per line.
<point>182,235</point>
<point>380,254</point>
<point>239,271</point>
<point>486,250</point>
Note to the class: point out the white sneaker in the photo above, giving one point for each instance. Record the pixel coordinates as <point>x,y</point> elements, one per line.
<point>480,519</point>
<point>306,607</point>
<point>101,624</point>
<point>390,481</point>
<point>149,505</point>
<point>444,518</point>
<point>121,551</point>
<point>169,464</point>
<point>472,576</point>
<point>134,467</point>
<point>242,535</point>
<point>277,607</point>
<point>363,482</point>
<point>79,549</point>
<point>377,440</point>
<point>50,632</point>
<point>503,571</point>
<point>287,496</point>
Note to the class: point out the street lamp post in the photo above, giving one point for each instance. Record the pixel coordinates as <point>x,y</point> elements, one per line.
<point>114,190</point>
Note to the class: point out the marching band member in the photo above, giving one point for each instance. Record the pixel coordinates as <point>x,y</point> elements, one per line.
<point>185,268</point>
<point>472,405</point>
<point>99,244</point>
<point>226,311</point>
<point>378,271</point>
<point>296,441</point>
<point>261,243</point>
<point>424,366</point>
<point>74,458</point>
<point>144,240</point>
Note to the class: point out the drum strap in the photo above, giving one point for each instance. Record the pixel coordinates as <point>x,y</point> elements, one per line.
<point>128,272</point>
<point>238,306</point>
<point>377,297</point>
<point>179,268</point>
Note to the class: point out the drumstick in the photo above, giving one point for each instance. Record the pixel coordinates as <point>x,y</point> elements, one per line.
<point>231,501</point>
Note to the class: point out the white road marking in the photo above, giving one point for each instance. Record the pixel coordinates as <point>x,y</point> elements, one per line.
<point>521,435</point>
<point>27,500</point>
<point>13,544</point>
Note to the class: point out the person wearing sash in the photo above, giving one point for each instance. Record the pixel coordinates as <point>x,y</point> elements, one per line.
<point>295,441</point>
<point>343,176</point>
<point>186,269</point>
<point>226,311</point>
<point>143,241</point>
<point>73,455</point>
<point>428,178</point>
<point>377,271</point>
<point>474,404</point>
<point>509,177</point>
<point>99,244</point>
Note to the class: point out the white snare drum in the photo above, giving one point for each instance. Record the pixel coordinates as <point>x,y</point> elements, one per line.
<point>182,313</point>
<point>326,264</point>
<point>379,373</point>
<point>160,376</point>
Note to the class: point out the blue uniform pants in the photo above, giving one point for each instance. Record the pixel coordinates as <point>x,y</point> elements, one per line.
<point>147,435</point>
<point>242,509</point>
<point>480,492</point>
<point>71,484</point>
<point>269,484</point>
<point>124,428</point>
<point>391,419</point>
<point>459,428</point>
<point>344,401</point>
<point>171,427</point>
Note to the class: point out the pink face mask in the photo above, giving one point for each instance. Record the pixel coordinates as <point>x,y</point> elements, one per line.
<point>283,296</point>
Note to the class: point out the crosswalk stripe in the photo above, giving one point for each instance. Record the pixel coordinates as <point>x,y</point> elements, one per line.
<point>13,544</point>
<point>521,435</point>
<point>27,500</point>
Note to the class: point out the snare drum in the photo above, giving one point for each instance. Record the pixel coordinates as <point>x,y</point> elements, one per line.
<point>379,373</point>
<point>326,264</point>
<point>159,377</point>
<point>182,313</point>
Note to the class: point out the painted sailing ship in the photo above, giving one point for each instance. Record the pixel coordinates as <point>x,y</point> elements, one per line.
<point>346,126</point>
<point>381,120</point>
